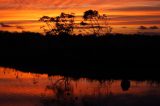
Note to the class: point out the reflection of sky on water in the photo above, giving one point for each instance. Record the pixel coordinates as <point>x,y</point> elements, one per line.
<point>28,89</point>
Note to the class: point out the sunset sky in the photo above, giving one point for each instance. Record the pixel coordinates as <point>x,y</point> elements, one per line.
<point>125,15</point>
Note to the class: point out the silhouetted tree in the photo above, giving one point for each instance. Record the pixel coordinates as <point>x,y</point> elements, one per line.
<point>105,20</point>
<point>59,25</point>
<point>65,23</point>
<point>46,19</point>
<point>94,17</point>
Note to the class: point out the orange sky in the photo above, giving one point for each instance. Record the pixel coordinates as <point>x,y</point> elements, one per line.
<point>20,15</point>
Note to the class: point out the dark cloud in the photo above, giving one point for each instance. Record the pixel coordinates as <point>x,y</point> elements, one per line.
<point>153,27</point>
<point>5,25</point>
<point>19,27</point>
<point>124,27</point>
<point>142,28</point>
<point>145,28</point>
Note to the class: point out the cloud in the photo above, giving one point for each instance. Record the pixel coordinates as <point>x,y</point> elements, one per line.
<point>19,27</point>
<point>52,4</point>
<point>137,8</point>
<point>154,27</point>
<point>145,28</point>
<point>5,25</point>
<point>133,17</point>
<point>139,22</point>
<point>142,28</point>
<point>124,27</point>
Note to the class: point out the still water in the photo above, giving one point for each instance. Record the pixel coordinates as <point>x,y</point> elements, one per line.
<point>29,89</point>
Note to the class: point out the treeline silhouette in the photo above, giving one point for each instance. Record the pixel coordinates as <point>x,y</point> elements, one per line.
<point>111,55</point>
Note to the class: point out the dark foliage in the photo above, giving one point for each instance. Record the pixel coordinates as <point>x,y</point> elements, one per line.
<point>104,56</point>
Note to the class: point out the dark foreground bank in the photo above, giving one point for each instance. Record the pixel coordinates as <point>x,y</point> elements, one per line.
<point>110,56</point>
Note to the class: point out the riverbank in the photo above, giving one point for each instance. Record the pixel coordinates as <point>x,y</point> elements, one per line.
<point>111,56</point>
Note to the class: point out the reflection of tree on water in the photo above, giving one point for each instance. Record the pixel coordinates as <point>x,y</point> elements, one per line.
<point>125,85</point>
<point>103,88</point>
<point>35,79</point>
<point>74,92</point>
<point>63,92</point>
